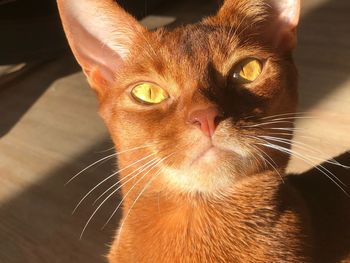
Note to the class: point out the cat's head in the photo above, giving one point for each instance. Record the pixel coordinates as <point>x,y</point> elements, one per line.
<point>200,101</point>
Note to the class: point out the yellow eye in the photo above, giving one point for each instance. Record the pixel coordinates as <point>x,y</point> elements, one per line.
<point>149,93</point>
<point>248,70</point>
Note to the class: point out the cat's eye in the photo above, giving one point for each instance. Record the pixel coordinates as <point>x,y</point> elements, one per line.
<point>248,70</point>
<point>148,93</point>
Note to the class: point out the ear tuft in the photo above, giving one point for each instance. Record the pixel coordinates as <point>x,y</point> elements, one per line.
<point>100,34</point>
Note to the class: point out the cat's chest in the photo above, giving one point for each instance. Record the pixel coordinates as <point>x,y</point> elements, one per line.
<point>205,233</point>
<point>181,236</point>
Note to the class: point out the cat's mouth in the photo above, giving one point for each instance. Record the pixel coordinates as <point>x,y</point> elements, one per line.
<point>215,153</point>
<point>211,167</point>
<point>208,155</point>
<point>209,164</point>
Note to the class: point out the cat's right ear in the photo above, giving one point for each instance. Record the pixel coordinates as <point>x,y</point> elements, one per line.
<point>100,34</point>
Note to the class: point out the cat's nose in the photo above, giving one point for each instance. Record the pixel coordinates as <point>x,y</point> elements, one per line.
<point>206,119</point>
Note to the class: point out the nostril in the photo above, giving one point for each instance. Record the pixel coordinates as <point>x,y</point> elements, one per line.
<point>195,121</point>
<point>206,119</point>
<point>218,119</point>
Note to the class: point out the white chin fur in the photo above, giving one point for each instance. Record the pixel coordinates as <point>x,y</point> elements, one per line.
<point>211,173</point>
<point>193,181</point>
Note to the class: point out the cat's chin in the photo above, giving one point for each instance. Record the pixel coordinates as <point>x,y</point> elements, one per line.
<point>214,169</point>
<point>207,158</point>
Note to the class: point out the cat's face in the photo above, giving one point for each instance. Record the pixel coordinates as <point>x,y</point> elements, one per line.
<point>198,99</point>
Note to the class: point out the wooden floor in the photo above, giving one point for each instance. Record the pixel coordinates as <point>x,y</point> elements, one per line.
<point>49,131</point>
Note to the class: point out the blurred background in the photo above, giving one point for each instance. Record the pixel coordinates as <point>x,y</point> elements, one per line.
<point>50,130</point>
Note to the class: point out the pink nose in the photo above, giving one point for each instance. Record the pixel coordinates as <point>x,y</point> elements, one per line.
<point>207,119</point>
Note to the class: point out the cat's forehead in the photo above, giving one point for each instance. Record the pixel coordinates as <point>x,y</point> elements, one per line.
<point>196,36</point>
<point>195,49</point>
<point>192,55</point>
<point>199,41</point>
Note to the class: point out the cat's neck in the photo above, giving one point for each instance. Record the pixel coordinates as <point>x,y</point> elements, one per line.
<point>231,223</point>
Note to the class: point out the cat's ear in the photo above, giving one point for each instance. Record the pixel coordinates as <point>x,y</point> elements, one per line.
<point>283,29</point>
<point>100,34</point>
<point>278,18</point>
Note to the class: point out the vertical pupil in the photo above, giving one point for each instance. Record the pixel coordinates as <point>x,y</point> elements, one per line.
<point>150,93</point>
<point>242,70</point>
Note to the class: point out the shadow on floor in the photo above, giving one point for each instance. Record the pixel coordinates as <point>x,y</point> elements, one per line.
<point>20,91</point>
<point>38,226</point>
<point>329,207</point>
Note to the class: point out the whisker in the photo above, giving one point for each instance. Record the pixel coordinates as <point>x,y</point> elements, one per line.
<point>128,192</point>
<point>91,165</point>
<point>313,149</point>
<point>142,168</point>
<point>107,178</point>
<point>257,161</point>
<point>98,208</point>
<point>272,166</point>
<point>284,114</point>
<point>107,150</point>
<point>292,134</point>
<point>295,118</point>
<point>283,129</point>
<point>267,123</point>
<point>106,158</point>
<point>306,147</point>
<point>306,158</point>
<point>325,171</point>
<point>276,115</point>
<point>136,199</point>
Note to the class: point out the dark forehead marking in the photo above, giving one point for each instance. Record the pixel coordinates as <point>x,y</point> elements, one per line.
<point>195,38</point>
<point>188,50</point>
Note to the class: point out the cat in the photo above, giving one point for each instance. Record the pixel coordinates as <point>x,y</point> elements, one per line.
<point>191,110</point>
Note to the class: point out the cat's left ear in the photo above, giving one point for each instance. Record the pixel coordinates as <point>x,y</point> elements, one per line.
<point>283,28</point>
<point>275,20</point>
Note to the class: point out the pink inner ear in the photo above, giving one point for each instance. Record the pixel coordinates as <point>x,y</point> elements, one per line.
<point>289,12</point>
<point>284,29</point>
<point>93,55</point>
<point>100,34</point>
